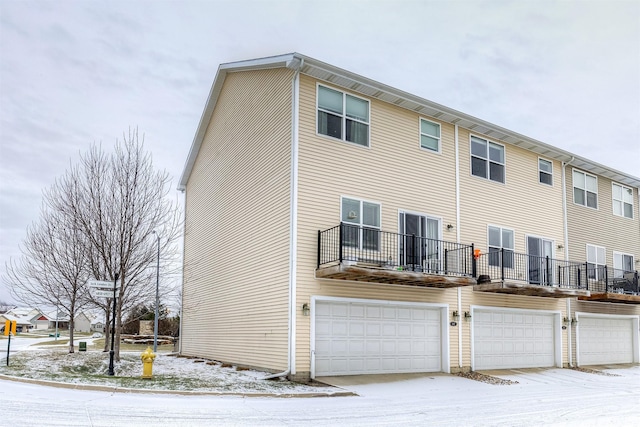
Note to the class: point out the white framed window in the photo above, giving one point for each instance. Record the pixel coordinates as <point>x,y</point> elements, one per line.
<point>343,116</point>
<point>430,135</point>
<point>585,189</point>
<point>363,223</point>
<point>622,200</point>
<point>596,260</point>
<point>622,263</point>
<point>487,159</point>
<point>500,238</point>
<point>545,171</point>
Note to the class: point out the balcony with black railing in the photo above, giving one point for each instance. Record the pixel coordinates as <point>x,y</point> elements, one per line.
<point>608,284</point>
<point>355,253</point>
<point>506,271</point>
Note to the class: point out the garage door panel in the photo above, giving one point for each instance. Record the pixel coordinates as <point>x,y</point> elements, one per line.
<point>339,328</point>
<point>339,310</point>
<point>356,329</point>
<point>506,339</point>
<point>380,338</point>
<point>374,330</point>
<point>604,340</point>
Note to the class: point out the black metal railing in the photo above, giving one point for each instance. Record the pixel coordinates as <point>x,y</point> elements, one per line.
<point>347,243</point>
<point>507,265</point>
<point>604,279</point>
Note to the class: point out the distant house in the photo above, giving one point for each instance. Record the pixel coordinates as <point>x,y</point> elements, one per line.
<point>82,322</point>
<point>62,320</point>
<point>97,326</point>
<point>23,324</point>
<point>36,317</point>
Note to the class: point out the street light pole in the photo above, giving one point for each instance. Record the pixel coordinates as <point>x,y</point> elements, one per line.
<point>155,317</point>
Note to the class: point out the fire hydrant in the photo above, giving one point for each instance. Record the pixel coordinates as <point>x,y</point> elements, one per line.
<point>147,357</point>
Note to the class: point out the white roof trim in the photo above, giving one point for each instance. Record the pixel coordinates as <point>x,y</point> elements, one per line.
<point>376,90</point>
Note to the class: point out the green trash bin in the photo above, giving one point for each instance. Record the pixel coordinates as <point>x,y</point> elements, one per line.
<point>83,346</point>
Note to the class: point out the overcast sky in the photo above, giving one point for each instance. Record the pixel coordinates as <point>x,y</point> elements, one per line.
<point>74,72</point>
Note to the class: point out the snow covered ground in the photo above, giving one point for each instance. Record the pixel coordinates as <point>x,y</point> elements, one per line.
<point>549,397</point>
<point>169,372</point>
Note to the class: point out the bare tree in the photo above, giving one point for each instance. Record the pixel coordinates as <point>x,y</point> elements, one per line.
<point>5,306</point>
<point>119,200</point>
<point>106,207</point>
<point>53,269</point>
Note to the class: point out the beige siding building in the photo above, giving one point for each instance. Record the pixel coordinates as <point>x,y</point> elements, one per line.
<point>338,226</point>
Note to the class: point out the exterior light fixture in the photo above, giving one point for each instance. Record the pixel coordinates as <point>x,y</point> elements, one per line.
<point>467,315</point>
<point>449,227</point>
<point>305,309</point>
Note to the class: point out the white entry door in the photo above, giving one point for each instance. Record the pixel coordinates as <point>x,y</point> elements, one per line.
<point>513,338</point>
<point>603,339</point>
<point>358,337</point>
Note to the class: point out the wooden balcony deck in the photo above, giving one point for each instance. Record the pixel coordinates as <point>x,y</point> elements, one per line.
<point>612,297</point>
<point>372,273</point>
<point>528,289</point>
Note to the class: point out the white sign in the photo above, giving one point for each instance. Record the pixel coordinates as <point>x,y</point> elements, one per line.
<point>99,293</point>
<point>101,284</point>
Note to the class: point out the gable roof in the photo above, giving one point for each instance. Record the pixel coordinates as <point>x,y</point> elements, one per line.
<point>372,89</point>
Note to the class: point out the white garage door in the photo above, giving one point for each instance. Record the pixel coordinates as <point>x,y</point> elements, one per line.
<point>604,340</point>
<point>513,339</point>
<point>374,338</point>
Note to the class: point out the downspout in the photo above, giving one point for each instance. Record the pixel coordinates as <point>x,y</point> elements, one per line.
<point>458,241</point>
<point>566,255</point>
<point>184,235</point>
<point>293,228</point>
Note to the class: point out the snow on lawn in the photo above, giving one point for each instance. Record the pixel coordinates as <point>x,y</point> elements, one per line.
<point>170,372</point>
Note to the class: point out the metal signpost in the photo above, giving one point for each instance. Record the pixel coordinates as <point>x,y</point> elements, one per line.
<point>10,327</point>
<point>106,289</point>
<point>113,325</point>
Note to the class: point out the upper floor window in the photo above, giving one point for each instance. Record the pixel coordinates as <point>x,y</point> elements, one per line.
<point>622,200</point>
<point>363,219</point>
<point>585,189</point>
<point>545,171</point>
<point>430,135</point>
<point>343,116</point>
<point>499,239</point>
<point>487,159</point>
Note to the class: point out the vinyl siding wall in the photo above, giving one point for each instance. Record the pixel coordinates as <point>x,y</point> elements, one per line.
<point>395,172</point>
<point>600,226</point>
<point>235,295</point>
<point>521,204</point>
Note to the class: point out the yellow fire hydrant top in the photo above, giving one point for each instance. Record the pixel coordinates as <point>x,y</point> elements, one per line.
<point>147,357</point>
